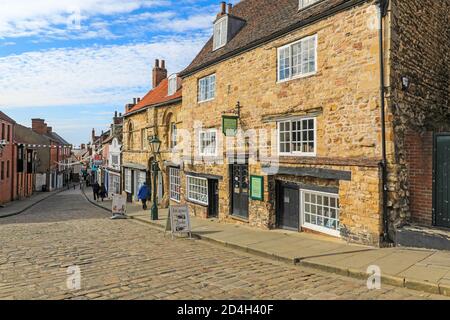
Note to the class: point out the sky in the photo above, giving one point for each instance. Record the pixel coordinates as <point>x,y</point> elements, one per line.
<point>75,62</point>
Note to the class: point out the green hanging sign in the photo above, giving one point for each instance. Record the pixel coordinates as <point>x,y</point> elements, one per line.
<point>229,125</point>
<point>257,188</point>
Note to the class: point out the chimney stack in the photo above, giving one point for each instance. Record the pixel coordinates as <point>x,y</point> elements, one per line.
<point>93,135</point>
<point>223,8</point>
<point>230,8</point>
<point>39,126</point>
<point>159,73</point>
<point>49,129</point>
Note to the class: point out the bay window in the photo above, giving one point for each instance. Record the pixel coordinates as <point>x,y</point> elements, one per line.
<point>197,189</point>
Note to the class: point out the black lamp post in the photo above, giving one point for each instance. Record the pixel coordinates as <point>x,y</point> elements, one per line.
<point>155,144</point>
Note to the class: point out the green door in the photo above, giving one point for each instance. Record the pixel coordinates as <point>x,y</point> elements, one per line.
<point>442,183</point>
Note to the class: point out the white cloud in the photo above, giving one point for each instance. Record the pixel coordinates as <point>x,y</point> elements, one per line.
<point>20,18</point>
<point>82,76</point>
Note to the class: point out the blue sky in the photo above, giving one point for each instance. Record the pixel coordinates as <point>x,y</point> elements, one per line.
<point>75,62</point>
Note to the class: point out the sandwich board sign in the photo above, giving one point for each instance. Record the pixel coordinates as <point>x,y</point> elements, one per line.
<point>119,206</point>
<point>178,221</point>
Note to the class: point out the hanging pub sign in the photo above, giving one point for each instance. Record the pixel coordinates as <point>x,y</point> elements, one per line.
<point>257,188</point>
<point>229,125</point>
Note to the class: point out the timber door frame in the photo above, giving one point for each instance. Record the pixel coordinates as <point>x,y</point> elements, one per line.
<point>435,165</point>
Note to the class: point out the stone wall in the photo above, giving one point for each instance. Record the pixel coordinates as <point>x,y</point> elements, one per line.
<point>343,94</point>
<point>419,50</point>
<point>153,120</point>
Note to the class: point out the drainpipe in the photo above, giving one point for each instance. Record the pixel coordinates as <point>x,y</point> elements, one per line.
<point>382,6</point>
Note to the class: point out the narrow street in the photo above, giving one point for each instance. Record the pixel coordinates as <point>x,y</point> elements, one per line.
<point>123,259</point>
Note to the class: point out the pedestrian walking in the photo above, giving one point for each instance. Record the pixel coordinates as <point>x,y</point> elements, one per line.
<point>96,190</point>
<point>144,195</point>
<point>103,193</point>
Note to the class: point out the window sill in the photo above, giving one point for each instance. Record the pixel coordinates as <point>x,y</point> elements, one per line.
<point>302,76</point>
<point>298,155</point>
<point>198,203</point>
<point>205,101</point>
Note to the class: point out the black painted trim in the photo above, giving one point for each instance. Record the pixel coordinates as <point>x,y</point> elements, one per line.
<point>310,172</point>
<point>204,175</point>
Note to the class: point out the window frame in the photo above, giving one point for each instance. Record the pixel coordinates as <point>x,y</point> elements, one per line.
<point>170,89</point>
<point>199,90</point>
<point>302,6</point>
<point>188,190</point>
<point>296,153</point>
<point>173,135</point>
<point>202,154</point>
<point>315,227</point>
<point>173,177</point>
<point>290,45</point>
<point>222,22</point>
<point>128,180</point>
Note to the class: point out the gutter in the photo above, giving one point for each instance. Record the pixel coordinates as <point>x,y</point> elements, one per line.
<point>382,6</point>
<point>276,35</point>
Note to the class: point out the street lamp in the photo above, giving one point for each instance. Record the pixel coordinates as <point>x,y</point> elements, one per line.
<point>155,145</point>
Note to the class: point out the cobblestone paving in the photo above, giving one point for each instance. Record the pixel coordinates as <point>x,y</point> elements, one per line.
<point>123,259</point>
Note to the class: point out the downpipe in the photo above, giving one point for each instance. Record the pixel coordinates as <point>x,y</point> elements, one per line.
<point>382,6</point>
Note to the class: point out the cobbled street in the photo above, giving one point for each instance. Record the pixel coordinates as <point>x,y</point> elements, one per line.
<point>123,259</point>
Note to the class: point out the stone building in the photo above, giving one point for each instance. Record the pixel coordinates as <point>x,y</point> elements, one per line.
<point>319,116</point>
<point>157,113</point>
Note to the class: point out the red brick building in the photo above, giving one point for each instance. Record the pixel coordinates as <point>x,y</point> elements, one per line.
<point>7,156</point>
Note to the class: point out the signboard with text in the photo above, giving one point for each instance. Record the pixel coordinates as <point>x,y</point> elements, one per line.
<point>257,188</point>
<point>178,220</point>
<point>119,204</point>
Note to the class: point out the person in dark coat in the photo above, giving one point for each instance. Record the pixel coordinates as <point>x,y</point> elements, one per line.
<point>96,190</point>
<point>102,192</point>
<point>144,195</point>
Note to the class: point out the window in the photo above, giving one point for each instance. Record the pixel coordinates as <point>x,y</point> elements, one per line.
<point>114,160</point>
<point>143,139</point>
<point>130,136</point>
<point>174,184</point>
<point>207,88</point>
<point>208,142</point>
<point>3,131</point>
<point>173,135</point>
<point>3,171</point>
<point>128,181</point>
<point>220,33</point>
<point>7,169</point>
<point>8,134</point>
<point>197,189</point>
<point>321,212</point>
<point>173,85</point>
<point>297,59</point>
<point>114,184</point>
<point>297,137</point>
<point>306,3</point>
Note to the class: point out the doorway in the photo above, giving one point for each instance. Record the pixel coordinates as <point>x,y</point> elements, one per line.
<point>288,206</point>
<point>213,198</point>
<point>240,190</point>
<point>441,181</point>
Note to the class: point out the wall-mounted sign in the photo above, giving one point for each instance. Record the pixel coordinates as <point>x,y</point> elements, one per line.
<point>257,188</point>
<point>230,125</point>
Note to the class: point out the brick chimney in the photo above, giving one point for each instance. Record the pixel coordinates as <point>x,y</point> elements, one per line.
<point>39,126</point>
<point>223,9</point>
<point>159,72</point>
<point>49,129</point>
